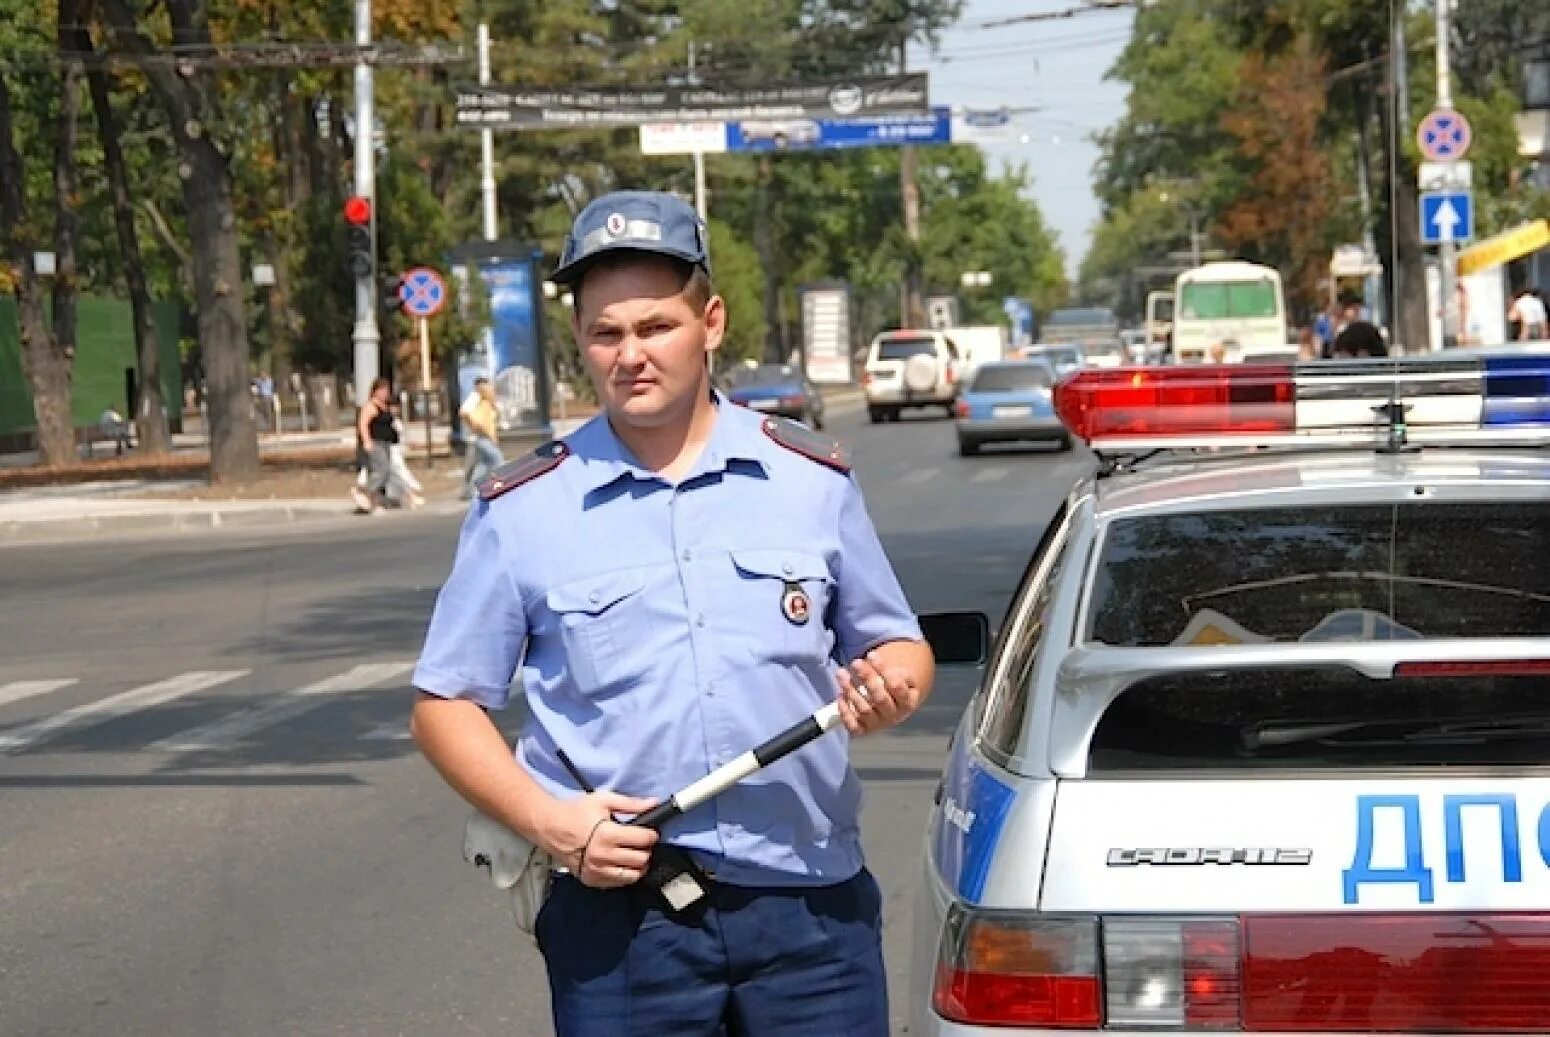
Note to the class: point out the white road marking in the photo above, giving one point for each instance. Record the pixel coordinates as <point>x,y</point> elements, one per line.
<point>18,690</point>
<point>985,475</point>
<point>920,475</point>
<point>91,714</point>
<point>388,731</point>
<point>221,733</point>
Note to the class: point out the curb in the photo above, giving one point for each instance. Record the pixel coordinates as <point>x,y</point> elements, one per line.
<point>103,528</point>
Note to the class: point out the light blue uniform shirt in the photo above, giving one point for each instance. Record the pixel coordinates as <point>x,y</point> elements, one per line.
<point>648,624</point>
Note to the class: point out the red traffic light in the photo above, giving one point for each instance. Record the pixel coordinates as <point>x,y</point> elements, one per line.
<point>357,210</point>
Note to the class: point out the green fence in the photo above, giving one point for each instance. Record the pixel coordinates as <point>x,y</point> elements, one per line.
<point>104,351</point>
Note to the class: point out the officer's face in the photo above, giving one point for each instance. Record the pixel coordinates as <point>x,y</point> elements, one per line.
<point>644,344</point>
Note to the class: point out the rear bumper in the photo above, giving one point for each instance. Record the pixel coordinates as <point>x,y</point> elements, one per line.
<point>1006,430</point>
<point>886,397</point>
<point>778,409</point>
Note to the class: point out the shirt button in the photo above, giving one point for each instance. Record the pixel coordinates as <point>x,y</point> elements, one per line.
<point>699,620</point>
<point>710,689</point>
<point>593,597</point>
<point>688,554</point>
<point>787,569</point>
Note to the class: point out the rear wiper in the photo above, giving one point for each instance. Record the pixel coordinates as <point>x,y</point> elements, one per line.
<point>1392,731</point>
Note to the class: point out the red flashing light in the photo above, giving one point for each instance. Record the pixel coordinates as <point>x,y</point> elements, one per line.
<point>357,210</point>
<point>1126,402</point>
<point>1476,668</point>
<point>961,408</point>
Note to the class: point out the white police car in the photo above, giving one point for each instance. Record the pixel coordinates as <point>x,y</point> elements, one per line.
<point>1263,745</point>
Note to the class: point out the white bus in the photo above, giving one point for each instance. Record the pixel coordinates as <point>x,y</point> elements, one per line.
<point>1228,313</point>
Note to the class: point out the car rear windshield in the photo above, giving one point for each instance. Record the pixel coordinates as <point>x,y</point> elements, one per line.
<point>1364,572</point>
<point>904,348</point>
<point>766,374</point>
<point>1323,718</point>
<point>1012,378</point>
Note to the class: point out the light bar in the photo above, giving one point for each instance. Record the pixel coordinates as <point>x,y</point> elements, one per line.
<point>1447,398</point>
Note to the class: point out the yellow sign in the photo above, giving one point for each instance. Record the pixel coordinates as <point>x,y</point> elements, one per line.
<point>1504,247</point>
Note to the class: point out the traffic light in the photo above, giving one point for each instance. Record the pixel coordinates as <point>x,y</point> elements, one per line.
<point>388,298</point>
<point>357,213</point>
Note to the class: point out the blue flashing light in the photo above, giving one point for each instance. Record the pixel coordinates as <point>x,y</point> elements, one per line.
<point>1517,390</point>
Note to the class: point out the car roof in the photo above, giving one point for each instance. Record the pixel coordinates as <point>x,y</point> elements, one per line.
<point>1280,477</point>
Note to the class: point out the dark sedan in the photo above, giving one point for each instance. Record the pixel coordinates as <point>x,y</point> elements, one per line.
<point>777,389</point>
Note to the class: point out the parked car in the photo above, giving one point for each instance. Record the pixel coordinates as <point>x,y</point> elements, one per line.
<point>1009,401</point>
<point>777,389</point>
<point>910,369</point>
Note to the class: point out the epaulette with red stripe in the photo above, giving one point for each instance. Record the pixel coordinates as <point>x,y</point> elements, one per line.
<point>523,470</point>
<point>815,446</point>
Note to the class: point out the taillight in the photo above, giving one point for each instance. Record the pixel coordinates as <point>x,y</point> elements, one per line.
<point>867,379</point>
<point>1476,668</point>
<point>1004,968</point>
<point>1174,974</point>
<point>961,408</point>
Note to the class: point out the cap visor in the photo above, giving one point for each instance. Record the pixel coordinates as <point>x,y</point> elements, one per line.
<point>571,273</point>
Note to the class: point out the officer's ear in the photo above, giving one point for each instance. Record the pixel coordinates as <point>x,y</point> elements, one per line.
<point>715,323</point>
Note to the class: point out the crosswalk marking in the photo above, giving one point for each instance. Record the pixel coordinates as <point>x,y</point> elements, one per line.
<point>989,475</point>
<point>92,713</point>
<point>18,690</point>
<point>223,732</point>
<point>920,475</point>
<point>388,731</point>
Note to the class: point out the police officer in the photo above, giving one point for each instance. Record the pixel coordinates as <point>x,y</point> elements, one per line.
<point>676,581</point>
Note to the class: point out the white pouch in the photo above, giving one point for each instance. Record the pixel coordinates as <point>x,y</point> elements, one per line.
<point>516,866</point>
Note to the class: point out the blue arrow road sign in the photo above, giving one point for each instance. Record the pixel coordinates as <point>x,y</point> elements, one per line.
<point>423,292</point>
<point>1447,216</point>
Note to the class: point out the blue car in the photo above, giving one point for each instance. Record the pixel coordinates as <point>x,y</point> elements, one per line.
<point>777,389</point>
<point>1009,401</point>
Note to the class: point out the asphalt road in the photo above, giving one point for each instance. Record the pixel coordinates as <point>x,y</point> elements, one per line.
<point>212,820</point>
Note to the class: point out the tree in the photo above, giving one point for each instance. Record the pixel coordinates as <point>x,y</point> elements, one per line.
<point>47,353</point>
<point>150,420</point>
<point>1282,216</point>
<point>188,97</point>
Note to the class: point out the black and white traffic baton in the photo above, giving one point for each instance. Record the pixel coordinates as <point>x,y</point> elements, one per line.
<point>729,774</point>
<point>672,873</point>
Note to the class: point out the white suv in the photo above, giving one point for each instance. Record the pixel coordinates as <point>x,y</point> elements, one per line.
<point>911,369</point>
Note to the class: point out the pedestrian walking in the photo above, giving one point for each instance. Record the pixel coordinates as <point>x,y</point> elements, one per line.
<point>376,433</point>
<point>673,584</point>
<point>481,435</point>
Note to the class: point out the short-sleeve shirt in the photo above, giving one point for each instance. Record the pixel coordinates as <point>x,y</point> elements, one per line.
<point>654,634</point>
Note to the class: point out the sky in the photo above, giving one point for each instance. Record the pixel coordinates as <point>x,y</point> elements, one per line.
<point>1056,66</point>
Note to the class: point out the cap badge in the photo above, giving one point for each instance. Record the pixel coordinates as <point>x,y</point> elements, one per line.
<point>615,224</point>
<point>794,604</point>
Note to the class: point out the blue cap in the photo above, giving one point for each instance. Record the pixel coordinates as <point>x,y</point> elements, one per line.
<point>636,221</point>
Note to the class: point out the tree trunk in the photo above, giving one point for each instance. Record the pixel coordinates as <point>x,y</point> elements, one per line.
<point>67,225</point>
<point>913,307</point>
<point>150,418</point>
<point>764,244</point>
<point>1411,331</point>
<point>46,366</point>
<point>205,172</point>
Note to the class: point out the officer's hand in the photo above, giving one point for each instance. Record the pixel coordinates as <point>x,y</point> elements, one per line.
<point>599,851</point>
<point>875,696</point>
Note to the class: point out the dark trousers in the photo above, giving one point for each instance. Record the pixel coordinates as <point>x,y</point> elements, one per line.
<point>762,962</point>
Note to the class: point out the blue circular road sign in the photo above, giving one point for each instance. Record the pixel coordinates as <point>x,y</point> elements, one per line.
<point>1444,135</point>
<point>423,292</point>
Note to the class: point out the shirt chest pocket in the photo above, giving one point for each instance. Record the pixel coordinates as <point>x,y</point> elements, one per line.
<point>593,619</point>
<point>781,599</point>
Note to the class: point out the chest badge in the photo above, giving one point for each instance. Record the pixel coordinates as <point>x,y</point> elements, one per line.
<point>795,605</point>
